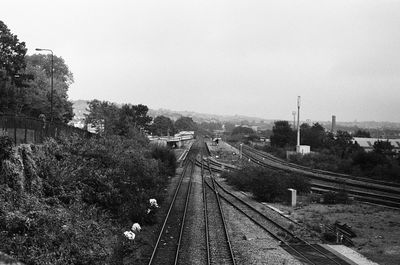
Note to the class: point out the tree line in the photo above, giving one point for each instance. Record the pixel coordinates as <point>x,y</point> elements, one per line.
<point>338,151</point>
<point>108,118</point>
<point>25,81</point>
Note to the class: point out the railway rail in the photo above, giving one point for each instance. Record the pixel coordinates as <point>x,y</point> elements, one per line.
<point>166,250</point>
<point>386,185</point>
<point>358,191</point>
<point>369,192</point>
<point>220,246</point>
<point>301,249</point>
<point>174,244</point>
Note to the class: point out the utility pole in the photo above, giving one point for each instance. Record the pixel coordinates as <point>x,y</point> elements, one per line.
<point>298,123</point>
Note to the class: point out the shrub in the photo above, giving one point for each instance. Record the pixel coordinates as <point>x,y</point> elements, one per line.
<point>332,197</point>
<point>167,159</point>
<point>65,201</point>
<point>329,237</point>
<point>266,184</point>
<point>279,152</point>
<point>6,145</point>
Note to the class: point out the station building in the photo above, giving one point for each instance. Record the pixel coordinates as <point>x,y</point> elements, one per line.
<point>368,143</point>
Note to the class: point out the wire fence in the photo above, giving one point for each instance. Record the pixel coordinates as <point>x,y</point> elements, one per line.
<point>31,130</point>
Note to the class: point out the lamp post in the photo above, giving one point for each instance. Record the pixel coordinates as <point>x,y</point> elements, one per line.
<point>298,122</point>
<point>51,91</point>
<point>294,119</point>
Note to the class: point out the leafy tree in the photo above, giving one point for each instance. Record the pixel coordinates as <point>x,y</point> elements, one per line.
<point>133,117</point>
<point>383,148</point>
<point>34,91</point>
<point>229,126</point>
<point>185,124</point>
<point>39,66</point>
<point>244,122</point>
<point>162,126</point>
<point>362,133</point>
<point>12,51</point>
<point>25,81</point>
<point>368,161</point>
<point>282,134</point>
<point>312,135</point>
<point>210,127</point>
<point>342,144</point>
<point>102,116</point>
<point>108,119</point>
<point>242,130</point>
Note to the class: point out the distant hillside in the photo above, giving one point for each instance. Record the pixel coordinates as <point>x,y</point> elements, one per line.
<point>80,107</point>
<point>206,117</point>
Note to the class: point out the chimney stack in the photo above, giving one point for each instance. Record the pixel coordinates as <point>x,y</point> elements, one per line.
<point>333,130</point>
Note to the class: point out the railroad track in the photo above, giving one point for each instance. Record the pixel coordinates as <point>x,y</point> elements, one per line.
<point>296,246</point>
<point>175,243</point>
<point>220,248</point>
<point>268,157</point>
<point>167,247</point>
<point>370,192</point>
<point>357,191</point>
<point>288,223</point>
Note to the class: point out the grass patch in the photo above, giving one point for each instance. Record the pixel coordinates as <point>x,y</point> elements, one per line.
<point>377,228</point>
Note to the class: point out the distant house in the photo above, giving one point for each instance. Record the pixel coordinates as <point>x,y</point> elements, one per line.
<point>368,143</point>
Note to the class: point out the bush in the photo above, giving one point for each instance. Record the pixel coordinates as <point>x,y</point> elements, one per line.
<point>167,159</point>
<point>266,184</point>
<point>6,145</point>
<point>329,237</point>
<point>278,152</point>
<point>332,197</point>
<point>67,201</point>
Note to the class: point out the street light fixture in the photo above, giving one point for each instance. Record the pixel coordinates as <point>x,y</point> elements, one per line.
<point>51,92</point>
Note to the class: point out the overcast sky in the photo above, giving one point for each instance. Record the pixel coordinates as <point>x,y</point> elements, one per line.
<point>225,57</point>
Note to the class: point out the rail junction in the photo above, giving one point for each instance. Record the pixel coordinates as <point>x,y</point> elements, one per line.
<point>361,189</point>
<point>196,229</point>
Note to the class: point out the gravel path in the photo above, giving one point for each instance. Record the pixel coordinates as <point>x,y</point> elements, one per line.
<point>193,247</point>
<point>297,229</point>
<point>251,244</point>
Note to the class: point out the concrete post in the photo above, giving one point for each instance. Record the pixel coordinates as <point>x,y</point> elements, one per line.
<point>292,197</point>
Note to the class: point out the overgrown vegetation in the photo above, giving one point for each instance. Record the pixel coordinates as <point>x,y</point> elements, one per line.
<point>336,152</point>
<point>266,184</point>
<point>242,134</point>
<point>69,201</point>
<point>25,79</point>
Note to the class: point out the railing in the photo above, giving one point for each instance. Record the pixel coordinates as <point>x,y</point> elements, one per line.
<point>31,130</point>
